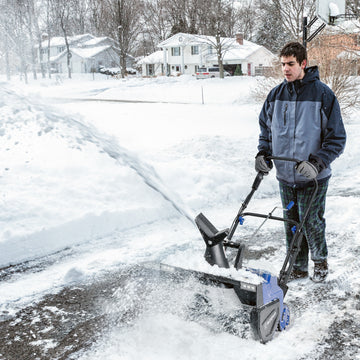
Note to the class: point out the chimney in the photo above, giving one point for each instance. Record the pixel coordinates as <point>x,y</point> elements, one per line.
<point>240,38</point>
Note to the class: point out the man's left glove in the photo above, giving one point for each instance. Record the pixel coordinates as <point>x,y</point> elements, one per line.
<point>307,169</point>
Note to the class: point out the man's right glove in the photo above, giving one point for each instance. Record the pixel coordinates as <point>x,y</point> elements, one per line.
<point>307,169</point>
<point>261,164</point>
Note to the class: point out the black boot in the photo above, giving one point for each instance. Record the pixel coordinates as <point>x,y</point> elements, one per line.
<point>297,274</point>
<point>320,271</point>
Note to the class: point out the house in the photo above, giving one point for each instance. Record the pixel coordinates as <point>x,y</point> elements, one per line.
<point>186,53</point>
<point>88,54</point>
<point>153,64</point>
<point>339,44</point>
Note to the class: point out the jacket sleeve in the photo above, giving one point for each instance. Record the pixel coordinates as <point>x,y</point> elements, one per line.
<point>264,146</point>
<point>333,132</point>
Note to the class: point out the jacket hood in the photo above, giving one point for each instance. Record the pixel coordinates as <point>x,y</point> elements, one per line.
<point>311,74</point>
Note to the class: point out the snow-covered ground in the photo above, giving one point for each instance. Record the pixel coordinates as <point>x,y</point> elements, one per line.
<point>99,185</point>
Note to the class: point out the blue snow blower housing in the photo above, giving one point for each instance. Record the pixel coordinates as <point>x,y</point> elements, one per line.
<point>266,299</point>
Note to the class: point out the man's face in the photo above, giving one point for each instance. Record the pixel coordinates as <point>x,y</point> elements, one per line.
<point>292,70</point>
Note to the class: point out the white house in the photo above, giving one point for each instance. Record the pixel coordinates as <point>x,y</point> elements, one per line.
<point>88,53</point>
<point>185,53</point>
<point>152,64</point>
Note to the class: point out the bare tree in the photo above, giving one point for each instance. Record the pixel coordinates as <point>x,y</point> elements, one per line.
<point>292,12</point>
<point>340,75</point>
<point>270,30</point>
<point>97,17</point>
<point>219,11</point>
<point>79,16</point>
<point>156,23</point>
<point>35,9</point>
<point>62,10</point>
<point>29,22</point>
<point>5,36</point>
<point>354,7</point>
<point>122,21</point>
<point>17,36</point>
<point>247,16</point>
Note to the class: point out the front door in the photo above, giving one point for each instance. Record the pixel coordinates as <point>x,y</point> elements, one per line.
<point>249,69</point>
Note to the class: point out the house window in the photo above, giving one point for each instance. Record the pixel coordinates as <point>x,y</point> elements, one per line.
<point>175,51</point>
<point>210,49</point>
<point>60,49</point>
<point>194,50</point>
<point>150,71</point>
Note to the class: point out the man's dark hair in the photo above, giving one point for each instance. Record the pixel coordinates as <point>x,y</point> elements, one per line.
<point>294,49</point>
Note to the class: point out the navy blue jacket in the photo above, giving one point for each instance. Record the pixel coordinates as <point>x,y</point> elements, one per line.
<point>299,119</point>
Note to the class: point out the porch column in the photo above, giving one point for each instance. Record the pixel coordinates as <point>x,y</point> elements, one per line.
<point>182,60</point>
<point>165,62</point>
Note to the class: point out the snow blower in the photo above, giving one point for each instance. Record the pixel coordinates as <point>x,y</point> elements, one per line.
<point>268,312</point>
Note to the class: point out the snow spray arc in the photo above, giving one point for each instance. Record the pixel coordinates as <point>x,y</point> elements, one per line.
<point>110,146</point>
<point>147,173</point>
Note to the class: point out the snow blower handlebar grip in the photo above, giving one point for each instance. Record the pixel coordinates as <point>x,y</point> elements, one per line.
<point>257,180</point>
<point>281,158</point>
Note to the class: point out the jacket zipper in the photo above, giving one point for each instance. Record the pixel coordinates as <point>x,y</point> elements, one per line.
<point>286,106</point>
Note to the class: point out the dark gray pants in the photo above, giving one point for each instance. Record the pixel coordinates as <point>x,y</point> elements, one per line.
<point>314,227</point>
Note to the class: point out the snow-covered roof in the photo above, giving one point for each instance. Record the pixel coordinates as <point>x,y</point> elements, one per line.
<point>87,53</point>
<point>155,58</point>
<point>60,41</point>
<point>235,51</point>
<point>96,40</point>
<point>232,49</point>
<point>350,54</point>
<point>181,39</point>
<point>347,27</point>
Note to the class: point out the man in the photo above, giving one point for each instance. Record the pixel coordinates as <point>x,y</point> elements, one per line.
<point>301,119</point>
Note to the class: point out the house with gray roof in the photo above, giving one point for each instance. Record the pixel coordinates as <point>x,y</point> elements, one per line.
<point>88,54</point>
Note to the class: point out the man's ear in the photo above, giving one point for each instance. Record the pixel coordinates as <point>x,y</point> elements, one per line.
<point>303,64</point>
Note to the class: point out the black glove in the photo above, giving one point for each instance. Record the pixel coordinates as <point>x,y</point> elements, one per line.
<point>307,169</point>
<point>262,164</point>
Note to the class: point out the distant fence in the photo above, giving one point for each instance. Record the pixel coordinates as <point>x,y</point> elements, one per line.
<point>264,70</point>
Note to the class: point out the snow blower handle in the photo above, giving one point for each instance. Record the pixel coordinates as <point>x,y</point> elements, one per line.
<point>238,218</point>
<point>281,158</point>
<point>257,181</point>
<point>260,175</point>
